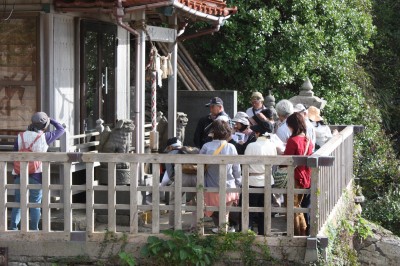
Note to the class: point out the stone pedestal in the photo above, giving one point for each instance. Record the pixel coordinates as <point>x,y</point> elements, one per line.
<point>122,176</point>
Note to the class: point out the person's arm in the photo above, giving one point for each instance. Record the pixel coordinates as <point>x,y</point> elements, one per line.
<point>16,144</point>
<point>52,136</point>
<point>280,146</point>
<point>239,147</point>
<point>236,170</point>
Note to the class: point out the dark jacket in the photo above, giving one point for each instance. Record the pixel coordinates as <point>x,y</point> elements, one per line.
<point>240,148</point>
<point>203,129</point>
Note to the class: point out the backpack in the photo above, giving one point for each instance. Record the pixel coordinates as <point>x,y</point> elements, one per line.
<point>32,166</point>
<point>189,168</point>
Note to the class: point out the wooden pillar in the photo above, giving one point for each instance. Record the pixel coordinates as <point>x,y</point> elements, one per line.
<point>172,83</point>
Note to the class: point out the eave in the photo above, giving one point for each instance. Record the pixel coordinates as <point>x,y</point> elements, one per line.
<point>212,10</point>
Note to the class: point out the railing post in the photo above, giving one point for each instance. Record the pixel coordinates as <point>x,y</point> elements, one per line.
<point>245,198</point>
<point>312,243</point>
<point>155,212</point>
<point>3,196</point>
<point>89,197</point>
<point>290,202</point>
<point>267,200</point>
<point>67,198</point>
<point>112,199</point>
<point>24,196</point>
<point>178,197</point>
<point>314,200</point>
<point>46,214</point>
<point>64,143</point>
<point>134,198</point>
<point>222,197</point>
<point>200,196</point>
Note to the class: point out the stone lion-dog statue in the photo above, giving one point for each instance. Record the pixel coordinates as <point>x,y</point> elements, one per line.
<point>117,140</point>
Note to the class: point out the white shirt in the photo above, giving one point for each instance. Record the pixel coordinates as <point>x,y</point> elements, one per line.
<point>250,112</point>
<point>311,131</point>
<point>262,146</point>
<point>283,132</point>
<point>323,133</point>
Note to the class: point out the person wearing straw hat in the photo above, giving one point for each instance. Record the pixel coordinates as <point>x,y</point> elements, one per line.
<point>257,104</point>
<point>322,131</point>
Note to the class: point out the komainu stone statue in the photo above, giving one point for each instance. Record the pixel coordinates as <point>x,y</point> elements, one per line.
<point>117,140</point>
<point>162,128</point>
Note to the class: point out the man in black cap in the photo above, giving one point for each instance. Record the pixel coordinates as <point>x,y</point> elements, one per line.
<point>201,135</point>
<point>38,139</point>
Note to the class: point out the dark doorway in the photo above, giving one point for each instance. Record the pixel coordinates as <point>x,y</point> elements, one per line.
<point>98,65</point>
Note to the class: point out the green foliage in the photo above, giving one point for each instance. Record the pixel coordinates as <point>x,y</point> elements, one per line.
<point>181,248</point>
<point>352,64</point>
<point>340,250</point>
<point>277,44</point>
<point>127,258</point>
<point>362,228</point>
<point>383,63</point>
<point>385,210</point>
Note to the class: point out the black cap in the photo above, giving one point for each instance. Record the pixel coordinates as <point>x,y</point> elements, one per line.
<point>264,127</point>
<point>215,101</point>
<point>268,113</point>
<point>172,141</point>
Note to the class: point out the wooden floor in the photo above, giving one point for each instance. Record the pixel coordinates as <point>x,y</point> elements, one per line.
<point>79,223</point>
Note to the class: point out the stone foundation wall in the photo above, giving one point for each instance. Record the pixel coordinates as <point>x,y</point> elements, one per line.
<point>382,248</point>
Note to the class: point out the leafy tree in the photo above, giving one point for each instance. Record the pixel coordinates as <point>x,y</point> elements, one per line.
<point>383,64</point>
<point>275,45</point>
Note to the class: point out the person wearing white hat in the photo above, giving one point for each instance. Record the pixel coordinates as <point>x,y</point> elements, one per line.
<point>241,127</point>
<point>284,109</point>
<point>39,139</point>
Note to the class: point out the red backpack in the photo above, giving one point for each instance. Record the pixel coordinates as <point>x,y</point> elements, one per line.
<point>32,166</point>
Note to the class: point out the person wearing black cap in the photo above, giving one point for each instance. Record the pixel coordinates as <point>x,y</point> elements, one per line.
<point>36,134</point>
<point>202,132</point>
<point>263,146</point>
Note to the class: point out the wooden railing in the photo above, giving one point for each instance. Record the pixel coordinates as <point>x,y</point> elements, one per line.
<point>67,143</point>
<point>86,142</point>
<point>331,174</point>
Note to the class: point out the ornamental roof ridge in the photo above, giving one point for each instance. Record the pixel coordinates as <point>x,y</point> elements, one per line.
<point>211,7</point>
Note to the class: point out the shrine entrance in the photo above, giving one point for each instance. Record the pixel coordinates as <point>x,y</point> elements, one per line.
<point>98,65</point>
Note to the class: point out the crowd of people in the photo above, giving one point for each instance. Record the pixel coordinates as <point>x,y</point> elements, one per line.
<point>286,129</point>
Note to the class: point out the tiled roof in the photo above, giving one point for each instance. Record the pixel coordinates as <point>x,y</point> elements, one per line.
<point>211,7</point>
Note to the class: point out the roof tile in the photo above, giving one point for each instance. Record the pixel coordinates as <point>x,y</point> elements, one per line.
<point>211,7</point>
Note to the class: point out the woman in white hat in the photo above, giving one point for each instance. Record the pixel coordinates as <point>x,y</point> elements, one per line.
<point>242,134</point>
